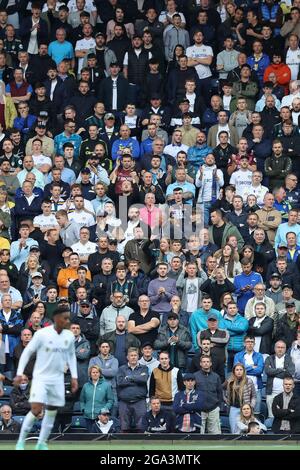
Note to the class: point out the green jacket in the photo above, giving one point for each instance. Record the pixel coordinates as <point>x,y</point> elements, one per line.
<point>249,92</point>
<point>94,397</point>
<point>230,229</point>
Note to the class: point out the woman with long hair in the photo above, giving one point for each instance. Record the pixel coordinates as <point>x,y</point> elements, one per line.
<point>247,252</point>
<point>228,260</point>
<point>247,416</point>
<point>224,301</point>
<point>240,390</point>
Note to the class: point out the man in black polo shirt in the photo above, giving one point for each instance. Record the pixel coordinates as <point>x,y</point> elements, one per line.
<point>144,323</point>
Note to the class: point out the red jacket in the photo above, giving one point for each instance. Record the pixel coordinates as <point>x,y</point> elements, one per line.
<point>282,72</point>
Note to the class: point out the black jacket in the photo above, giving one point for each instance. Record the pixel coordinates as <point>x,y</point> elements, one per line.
<point>38,67</point>
<point>210,384</point>
<point>19,401</point>
<point>131,341</point>
<point>272,373</point>
<point>216,290</point>
<point>265,332</point>
<point>84,105</point>
<point>59,95</point>
<point>284,332</point>
<point>105,93</point>
<point>95,260</point>
<point>25,32</point>
<point>217,364</point>
<point>286,414</point>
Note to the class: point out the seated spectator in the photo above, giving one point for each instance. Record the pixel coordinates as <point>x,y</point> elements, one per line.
<point>247,416</point>
<point>19,397</point>
<point>95,395</point>
<point>105,423</point>
<point>156,420</point>
<point>295,356</point>
<point>7,423</point>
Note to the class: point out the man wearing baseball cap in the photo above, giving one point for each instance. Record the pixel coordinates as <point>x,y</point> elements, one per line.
<point>175,339</point>
<point>275,291</point>
<point>105,423</point>
<point>113,90</point>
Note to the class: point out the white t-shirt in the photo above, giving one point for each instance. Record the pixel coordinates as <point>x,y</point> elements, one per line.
<point>89,6</point>
<point>53,352</point>
<point>278,383</point>
<point>293,61</point>
<point>81,45</point>
<point>192,292</point>
<point>40,160</point>
<point>82,218</point>
<point>84,250</point>
<point>200,52</point>
<point>242,180</point>
<point>249,362</point>
<point>44,221</point>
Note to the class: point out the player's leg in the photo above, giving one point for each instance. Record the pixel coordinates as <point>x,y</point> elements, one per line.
<point>27,424</point>
<point>46,427</point>
<point>55,399</point>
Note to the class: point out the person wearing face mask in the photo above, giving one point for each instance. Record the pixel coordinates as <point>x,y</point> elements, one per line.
<point>19,397</point>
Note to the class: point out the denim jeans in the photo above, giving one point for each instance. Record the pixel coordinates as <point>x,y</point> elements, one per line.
<point>234,414</point>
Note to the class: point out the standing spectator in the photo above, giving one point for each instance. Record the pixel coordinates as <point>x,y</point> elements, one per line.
<point>82,351</point>
<point>165,381</point>
<point>286,409</point>
<point>245,283</point>
<point>160,292</point>
<point>240,391</point>
<point>261,327</point>
<point>254,364</point>
<point>7,423</point>
<point>175,339</point>
<point>209,384</point>
<point>19,397</point>
<point>259,297</point>
<point>120,340</point>
<point>10,327</point>
<point>288,324</point>
<point>188,406</point>
<point>189,284</point>
<point>26,337</point>
<point>145,322</point>
<point>132,392</point>
<point>201,56</point>
<point>219,231</point>
<point>277,366</point>
<point>109,314</point>
<point>237,327</point>
<point>95,395</point>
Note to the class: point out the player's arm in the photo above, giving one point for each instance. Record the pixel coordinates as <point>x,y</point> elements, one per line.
<point>30,349</point>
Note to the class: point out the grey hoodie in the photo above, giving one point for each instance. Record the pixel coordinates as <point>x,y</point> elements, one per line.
<point>109,315</point>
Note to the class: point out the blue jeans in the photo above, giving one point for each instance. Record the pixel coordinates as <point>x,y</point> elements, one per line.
<point>258,402</point>
<point>205,207</point>
<point>233,417</point>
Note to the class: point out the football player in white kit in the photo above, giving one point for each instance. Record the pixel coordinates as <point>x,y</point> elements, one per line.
<point>54,348</point>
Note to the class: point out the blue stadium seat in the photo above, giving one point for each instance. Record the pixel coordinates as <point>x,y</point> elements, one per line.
<point>19,419</point>
<point>78,422</point>
<point>76,406</point>
<point>7,389</point>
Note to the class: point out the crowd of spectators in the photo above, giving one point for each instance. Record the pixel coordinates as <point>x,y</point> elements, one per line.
<point>149,168</point>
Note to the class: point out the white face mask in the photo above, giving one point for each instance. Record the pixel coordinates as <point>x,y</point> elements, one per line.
<point>23,386</point>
